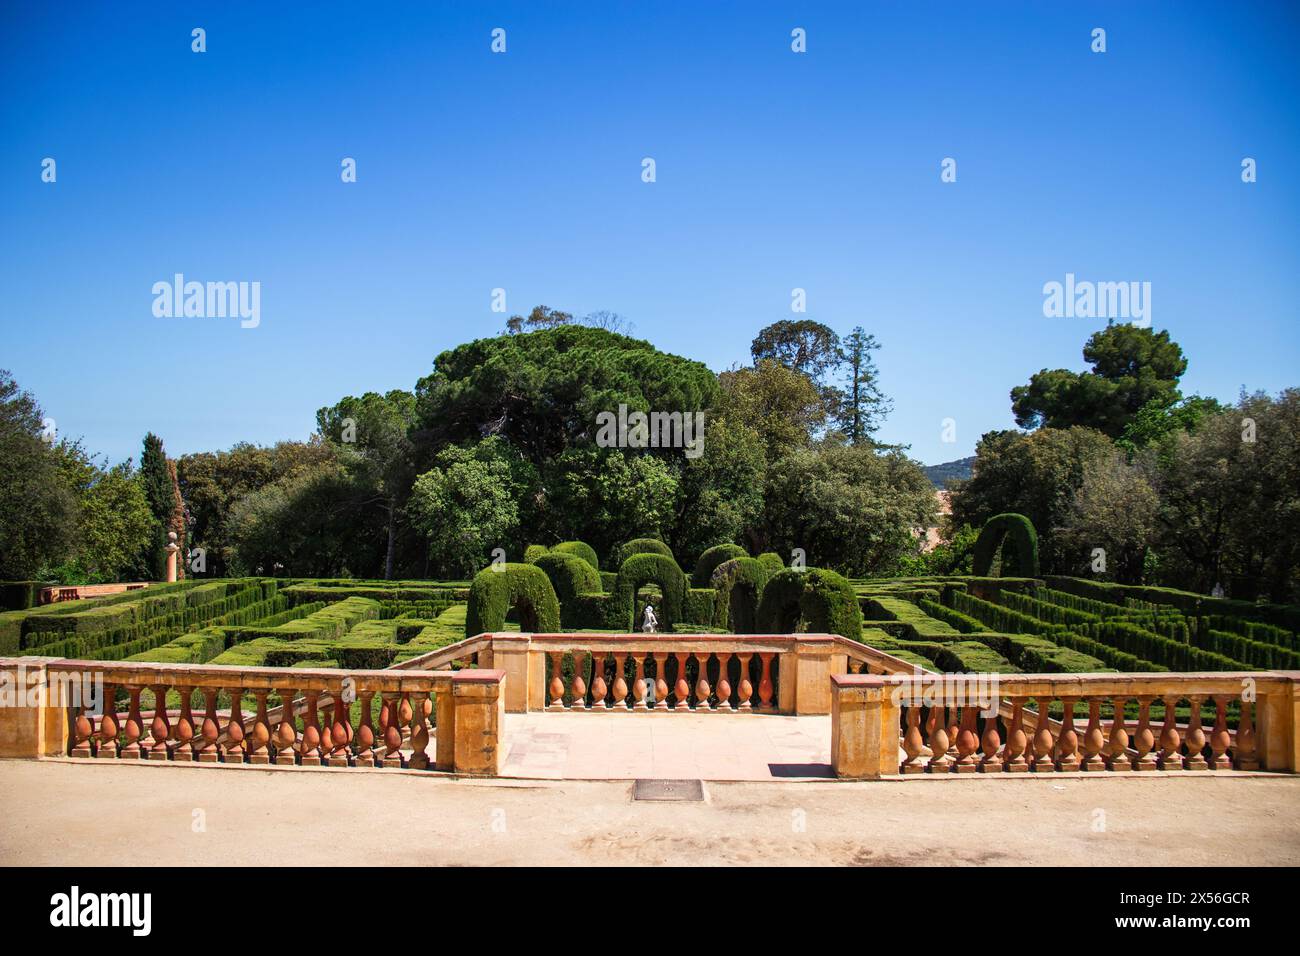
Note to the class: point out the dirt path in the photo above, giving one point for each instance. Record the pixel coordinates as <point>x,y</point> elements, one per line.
<point>58,813</point>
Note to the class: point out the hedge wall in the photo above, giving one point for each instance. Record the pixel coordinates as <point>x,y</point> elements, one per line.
<point>640,546</point>
<point>751,576</point>
<point>710,560</point>
<point>18,595</point>
<point>570,575</point>
<point>813,601</point>
<point>699,607</point>
<point>493,592</point>
<point>533,552</point>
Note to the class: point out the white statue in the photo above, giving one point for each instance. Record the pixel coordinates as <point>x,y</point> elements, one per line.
<point>1218,591</point>
<point>649,623</point>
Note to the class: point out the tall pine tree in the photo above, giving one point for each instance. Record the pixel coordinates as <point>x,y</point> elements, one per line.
<point>158,492</point>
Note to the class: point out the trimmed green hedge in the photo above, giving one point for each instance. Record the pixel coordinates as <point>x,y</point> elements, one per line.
<point>1285,616</point>
<point>493,593</point>
<point>640,546</point>
<point>772,561</point>
<point>973,657</point>
<point>18,595</point>
<point>579,549</point>
<point>710,560</point>
<point>1023,552</point>
<point>813,600</point>
<point>645,568</point>
<point>746,577</point>
<point>699,607</point>
<point>534,551</point>
<point>570,576</point>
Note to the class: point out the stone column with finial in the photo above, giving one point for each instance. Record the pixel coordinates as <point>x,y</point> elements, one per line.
<point>172,549</point>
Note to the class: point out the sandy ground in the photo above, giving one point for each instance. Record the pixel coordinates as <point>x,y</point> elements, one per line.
<point>64,813</point>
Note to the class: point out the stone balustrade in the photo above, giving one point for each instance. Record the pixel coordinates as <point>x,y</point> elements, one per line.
<point>77,703</point>
<point>954,723</point>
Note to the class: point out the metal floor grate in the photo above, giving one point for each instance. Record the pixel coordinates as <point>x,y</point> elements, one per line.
<point>688,790</point>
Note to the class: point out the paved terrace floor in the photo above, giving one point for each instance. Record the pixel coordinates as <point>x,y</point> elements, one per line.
<point>61,812</point>
<point>626,745</point>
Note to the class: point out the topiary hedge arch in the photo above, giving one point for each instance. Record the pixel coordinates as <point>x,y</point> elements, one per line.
<point>744,578</point>
<point>1020,559</point>
<point>710,560</point>
<point>642,569</point>
<point>534,551</point>
<point>494,592</point>
<point>570,576</point>
<point>640,546</point>
<point>814,601</point>
<point>579,549</point>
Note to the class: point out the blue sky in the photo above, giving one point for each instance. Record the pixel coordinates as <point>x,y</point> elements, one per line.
<point>775,170</point>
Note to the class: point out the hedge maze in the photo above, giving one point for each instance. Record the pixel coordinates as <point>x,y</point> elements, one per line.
<point>1019,623</point>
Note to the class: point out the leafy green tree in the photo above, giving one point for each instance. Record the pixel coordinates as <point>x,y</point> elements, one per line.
<point>464,508</point>
<point>542,391</point>
<point>847,507</point>
<point>781,404</point>
<point>720,493</point>
<point>1115,509</point>
<point>116,525</point>
<point>800,344</point>
<point>38,510</point>
<point>1035,475</point>
<point>604,496</point>
<point>1131,367</point>
<point>1155,420</point>
<point>371,436</point>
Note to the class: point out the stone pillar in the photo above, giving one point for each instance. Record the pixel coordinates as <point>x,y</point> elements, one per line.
<point>173,550</point>
<point>1278,724</point>
<point>510,653</point>
<point>814,664</point>
<point>33,715</point>
<point>479,709</point>
<point>864,734</point>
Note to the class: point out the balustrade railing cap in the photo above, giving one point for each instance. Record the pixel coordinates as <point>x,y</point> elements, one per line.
<point>858,680</point>
<point>476,675</point>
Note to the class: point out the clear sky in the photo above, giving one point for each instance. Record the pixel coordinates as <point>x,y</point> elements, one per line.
<point>522,171</point>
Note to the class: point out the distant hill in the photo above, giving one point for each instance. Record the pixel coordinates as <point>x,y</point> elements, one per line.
<point>939,474</point>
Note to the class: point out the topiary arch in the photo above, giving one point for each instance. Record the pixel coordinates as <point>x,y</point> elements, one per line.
<point>579,549</point>
<point>642,569</point>
<point>1020,558</point>
<point>738,585</point>
<point>710,560</point>
<point>494,592</point>
<point>640,546</point>
<point>813,601</point>
<point>570,576</point>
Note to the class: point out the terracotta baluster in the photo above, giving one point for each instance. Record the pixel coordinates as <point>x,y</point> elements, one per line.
<point>259,739</point>
<point>598,686</point>
<point>1244,751</point>
<point>967,742</point>
<point>83,732</point>
<point>723,689</point>
<point>954,731</point>
<point>1093,739</point>
<point>340,754</point>
<point>1195,759</point>
<point>1144,740</point>
<point>990,742</point>
<point>1170,742</point>
<point>578,689</point>
<point>133,729</point>
<point>183,729</point>
<point>1043,744</point>
<point>682,689</point>
<point>160,727</point>
<point>702,690</point>
<point>765,683</point>
<point>404,717</point>
<point>619,688</point>
<point>389,718</point>
<point>1117,746</point>
<point>641,685</point>
<point>326,728</point>
<point>108,725</point>
<point>557,681</point>
<point>939,762</point>
<point>912,741</point>
<point>1067,744</point>
<point>661,682</point>
<point>209,730</point>
<point>366,732</point>
<point>1220,739</point>
<point>286,732</point>
<point>419,759</point>
<point>1013,756</point>
<point>745,689</point>
<point>309,744</point>
<point>234,748</point>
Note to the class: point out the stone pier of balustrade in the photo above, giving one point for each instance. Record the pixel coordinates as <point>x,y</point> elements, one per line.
<point>56,707</point>
<point>882,725</point>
